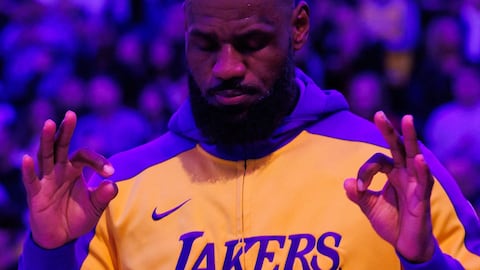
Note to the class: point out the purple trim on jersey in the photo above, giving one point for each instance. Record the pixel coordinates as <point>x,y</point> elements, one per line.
<point>438,261</point>
<point>82,246</point>
<point>313,105</point>
<point>48,259</point>
<point>347,126</point>
<point>250,151</point>
<point>64,257</point>
<point>463,209</point>
<point>129,163</point>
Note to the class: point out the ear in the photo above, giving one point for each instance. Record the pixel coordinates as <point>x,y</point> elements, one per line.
<point>301,25</point>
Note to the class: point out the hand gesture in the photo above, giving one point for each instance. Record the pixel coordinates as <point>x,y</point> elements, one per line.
<point>400,212</point>
<point>61,205</point>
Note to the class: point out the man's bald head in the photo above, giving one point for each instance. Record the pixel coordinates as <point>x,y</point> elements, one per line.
<point>288,2</point>
<point>241,6</point>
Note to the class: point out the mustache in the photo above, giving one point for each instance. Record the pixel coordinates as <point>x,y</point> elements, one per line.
<point>232,85</point>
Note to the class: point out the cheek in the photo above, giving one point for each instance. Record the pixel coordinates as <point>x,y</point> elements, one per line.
<point>267,67</point>
<point>200,67</point>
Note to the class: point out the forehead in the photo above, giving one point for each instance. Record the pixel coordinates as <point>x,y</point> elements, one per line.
<point>247,11</point>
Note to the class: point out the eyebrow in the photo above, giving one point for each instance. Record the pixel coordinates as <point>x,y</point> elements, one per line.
<point>249,31</point>
<point>195,32</point>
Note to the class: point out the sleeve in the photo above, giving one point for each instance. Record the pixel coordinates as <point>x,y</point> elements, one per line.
<point>91,251</point>
<point>35,257</point>
<point>455,224</point>
<point>438,261</point>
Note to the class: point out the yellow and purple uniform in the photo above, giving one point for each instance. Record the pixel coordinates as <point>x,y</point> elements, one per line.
<point>276,204</point>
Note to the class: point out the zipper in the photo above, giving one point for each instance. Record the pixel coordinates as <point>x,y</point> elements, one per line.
<point>242,209</point>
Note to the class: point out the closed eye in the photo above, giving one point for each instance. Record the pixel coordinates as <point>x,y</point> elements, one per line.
<point>252,42</point>
<point>203,41</point>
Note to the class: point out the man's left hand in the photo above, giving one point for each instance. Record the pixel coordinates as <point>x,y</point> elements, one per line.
<point>400,212</point>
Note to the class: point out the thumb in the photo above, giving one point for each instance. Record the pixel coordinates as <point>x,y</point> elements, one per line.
<point>102,195</point>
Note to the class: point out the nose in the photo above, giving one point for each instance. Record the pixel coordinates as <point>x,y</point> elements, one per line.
<point>229,64</point>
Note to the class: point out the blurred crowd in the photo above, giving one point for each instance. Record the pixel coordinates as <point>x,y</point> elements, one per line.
<point>119,65</point>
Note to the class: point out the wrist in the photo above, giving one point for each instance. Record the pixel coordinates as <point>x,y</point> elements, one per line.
<point>419,253</point>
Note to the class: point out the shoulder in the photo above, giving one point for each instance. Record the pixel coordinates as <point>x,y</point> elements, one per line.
<point>345,125</point>
<point>129,163</point>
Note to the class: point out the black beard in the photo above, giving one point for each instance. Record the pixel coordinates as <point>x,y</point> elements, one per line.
<point>230,125</point>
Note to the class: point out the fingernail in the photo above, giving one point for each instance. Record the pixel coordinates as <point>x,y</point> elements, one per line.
<point>409,118</point>
<point>108,169</point>
<point>69,112</point>
<point>382,115</point>
<point>48,122</point>
<point>360,186</point>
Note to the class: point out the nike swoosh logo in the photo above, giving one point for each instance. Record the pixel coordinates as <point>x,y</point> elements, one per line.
<point>156,216</point>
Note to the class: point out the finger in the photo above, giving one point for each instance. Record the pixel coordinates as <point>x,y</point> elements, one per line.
<point>351,188</point>
<point>102,195</point>
<point>375,164</point>
<point>425,178</point>
<point>365,200</point>
<point>411,143</point>
<point>393,139</point>
<point>45,153</point>
<point>63,137</point>
<point>97,162</point>
<point>29,178</point>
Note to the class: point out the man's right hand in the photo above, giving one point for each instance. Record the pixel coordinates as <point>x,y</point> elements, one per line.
<point>61,205</point>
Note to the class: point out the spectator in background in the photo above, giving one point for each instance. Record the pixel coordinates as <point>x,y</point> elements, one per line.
<point>97,42</point>
<point>343,46</point>
<point>44,39</point>
<point>161,60</point>
<point>10,174</point>
<point>396,25</point>
<point>176,93</point>
<point>435,8</point>
<point>12,194</point>
<point>153,106</point>
<point>124,13</point>
<point>453,133</point>
<point>37,112</point>
<point>165,52</point>
<point>12,235</point>
<point>442,57</point>
<point>6,7</point>
<point>129,68</point>
<point>470,17</point>
<point>366,96</point>
<point>7,114</point>
<point>166,71</point>
<point>110,127</point>
<point>70,96</point>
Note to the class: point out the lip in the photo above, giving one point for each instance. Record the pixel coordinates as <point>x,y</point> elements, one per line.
<point>232,97</point>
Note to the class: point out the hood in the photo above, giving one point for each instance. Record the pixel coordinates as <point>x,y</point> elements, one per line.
<point>313,105</point>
